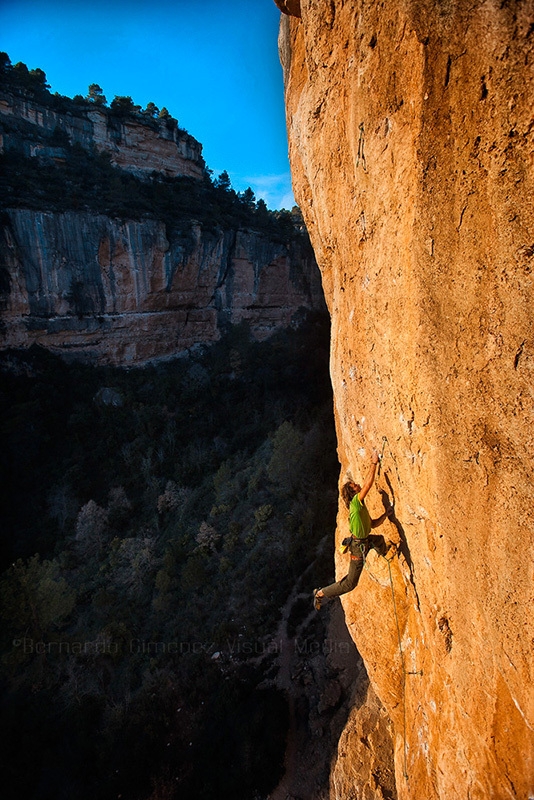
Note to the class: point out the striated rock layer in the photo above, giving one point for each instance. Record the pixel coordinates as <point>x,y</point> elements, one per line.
<point>411,143</point>
<point>32,128</point>
<point>119,292</point>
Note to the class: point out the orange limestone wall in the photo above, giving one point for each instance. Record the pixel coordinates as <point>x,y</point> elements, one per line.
<point>411,134</point>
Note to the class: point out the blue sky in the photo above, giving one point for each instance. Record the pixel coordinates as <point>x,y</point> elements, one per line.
<point>213,64</point>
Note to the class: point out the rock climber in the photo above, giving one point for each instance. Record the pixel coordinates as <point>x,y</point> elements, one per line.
<point>360,541</point>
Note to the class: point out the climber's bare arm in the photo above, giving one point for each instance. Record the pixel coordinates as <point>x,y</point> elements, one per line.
<point>370,477</point>
<point>382,518</point>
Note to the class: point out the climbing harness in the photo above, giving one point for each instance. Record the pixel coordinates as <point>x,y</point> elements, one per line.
<point>363,546</point>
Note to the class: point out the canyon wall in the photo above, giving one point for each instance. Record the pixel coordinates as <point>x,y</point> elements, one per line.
<point>411,143</point>
<point>97,265</point>
<point>34,129</point>
<point>127,291</point>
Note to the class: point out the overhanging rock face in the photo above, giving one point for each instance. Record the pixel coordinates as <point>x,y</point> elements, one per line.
<point>411,139</point>
<point>291,7</point>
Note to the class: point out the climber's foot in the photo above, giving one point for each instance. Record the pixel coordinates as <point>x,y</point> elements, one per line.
<point>316,600</point>
<point>380,545</point>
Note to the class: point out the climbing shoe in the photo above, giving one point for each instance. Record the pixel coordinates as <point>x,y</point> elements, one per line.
<point>316,600</point>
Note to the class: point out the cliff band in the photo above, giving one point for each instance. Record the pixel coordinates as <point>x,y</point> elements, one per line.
<point>411,143</point>
<point>119,292</point>
<point>131,286</point>
<point>158,145</point>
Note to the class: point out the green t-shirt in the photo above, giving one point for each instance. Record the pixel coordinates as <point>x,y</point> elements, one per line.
<point>359,519</point>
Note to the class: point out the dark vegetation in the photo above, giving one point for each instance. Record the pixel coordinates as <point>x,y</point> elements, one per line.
<point>33,83</point>
<point>85,180</point>
<point>154,518</point>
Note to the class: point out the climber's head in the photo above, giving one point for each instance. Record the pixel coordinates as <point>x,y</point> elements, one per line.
<point>349,490</point>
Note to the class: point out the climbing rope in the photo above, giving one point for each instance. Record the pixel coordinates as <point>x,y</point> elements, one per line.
<point>403,667</point>
<point>405,672</point>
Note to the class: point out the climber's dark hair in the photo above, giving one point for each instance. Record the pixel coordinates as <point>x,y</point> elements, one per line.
<point>347,493</point>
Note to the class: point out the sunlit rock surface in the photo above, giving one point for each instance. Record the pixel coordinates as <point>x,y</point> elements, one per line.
<point>411,143</point>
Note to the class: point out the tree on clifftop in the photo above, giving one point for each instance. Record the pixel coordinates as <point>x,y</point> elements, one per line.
<point>5,63</point>
<point>248,197</point>
<point>223,181</point>
<point>31,80</point>
<point>96,95</point>
<point>151,110</point>
<point>124,105</point>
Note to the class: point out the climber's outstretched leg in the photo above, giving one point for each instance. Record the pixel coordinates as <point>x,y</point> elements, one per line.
<point>346,584</point>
